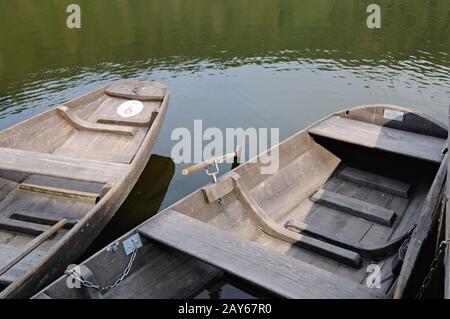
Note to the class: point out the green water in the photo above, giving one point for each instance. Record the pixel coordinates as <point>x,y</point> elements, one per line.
<point>231,63</point>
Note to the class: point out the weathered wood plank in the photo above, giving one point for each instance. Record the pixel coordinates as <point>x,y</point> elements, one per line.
<point>137,90</point>
<point>42,218</point>
<point>83,125</point>
<point>60,166</point>
<point>380,137</point>
<point>43,296</point>
<point>372,249</point>
<point>19,226</point>
<point>98,155</point>
<point>90,197</point>
<point>284,276</point>
<point>135,122</point>
<point>355,207</point>
<point>218,190</point>
<point>381,183</point>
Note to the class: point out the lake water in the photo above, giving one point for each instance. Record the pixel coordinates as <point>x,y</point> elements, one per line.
<point>231,63</point>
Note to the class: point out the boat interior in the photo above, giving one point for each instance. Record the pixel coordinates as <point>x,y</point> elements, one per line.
<point>348,194</point>
<point>59,164</point>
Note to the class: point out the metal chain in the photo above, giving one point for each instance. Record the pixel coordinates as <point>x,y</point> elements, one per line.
<point>89,284</point>
<point>426,282</point>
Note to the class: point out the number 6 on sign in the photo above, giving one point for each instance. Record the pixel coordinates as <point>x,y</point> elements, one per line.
<point>130,109</point>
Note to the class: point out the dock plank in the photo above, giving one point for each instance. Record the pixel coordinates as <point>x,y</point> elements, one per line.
<point>355,207</point>
<point>369,135</point>
<point>280,274</point>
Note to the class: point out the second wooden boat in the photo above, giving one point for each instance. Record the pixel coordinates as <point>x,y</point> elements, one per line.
<point>346,216</point>
<point>63,175</point>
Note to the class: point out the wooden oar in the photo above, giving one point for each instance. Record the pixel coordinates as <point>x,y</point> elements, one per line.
<point>32,245</point>
<point>217,160</point>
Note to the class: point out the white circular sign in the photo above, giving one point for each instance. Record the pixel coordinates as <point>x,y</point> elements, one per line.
<point>130,109</point>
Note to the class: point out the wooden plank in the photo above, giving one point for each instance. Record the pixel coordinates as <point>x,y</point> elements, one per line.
<point>381,183</point>
<point>355,207</point>
<point>60,166</point>
<point>383,138</point>
<point>99,155</point>
<point>280,274</point>
<point>83,125</point>
<point>42,218</point>
<point>135,122</point>
<point>371,249</point>
<point>61,192</point>
<point>43,296</point>
<point>137,91</point>
<point>64,183</point>
<point>218,190</point>
<point>19,226</point>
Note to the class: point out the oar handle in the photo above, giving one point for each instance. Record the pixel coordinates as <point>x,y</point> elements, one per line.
<point>219,159</point>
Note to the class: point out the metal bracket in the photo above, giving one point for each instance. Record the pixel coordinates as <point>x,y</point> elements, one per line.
<point>213,173</point>
<point>131,244</point>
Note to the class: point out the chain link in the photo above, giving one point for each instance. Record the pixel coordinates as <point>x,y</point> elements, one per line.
<point>89,284</point>
<point>426,282</point>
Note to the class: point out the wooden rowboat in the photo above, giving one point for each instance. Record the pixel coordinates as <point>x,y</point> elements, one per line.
<point>355,197</point>
<point>64,174</point>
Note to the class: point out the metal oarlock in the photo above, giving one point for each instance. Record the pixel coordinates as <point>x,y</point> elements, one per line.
<point>213,174</point>
<point>214,164</point>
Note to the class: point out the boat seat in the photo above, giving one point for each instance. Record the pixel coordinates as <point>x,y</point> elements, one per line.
<point>60,166</point>
<point>381,183</point>
<point>280,274</point>
<point>98,155</point>
<point>146,120</point>
<point>136,90</point>
<point>424,147</point>
<point>354,207</point>
<point>83,125</point>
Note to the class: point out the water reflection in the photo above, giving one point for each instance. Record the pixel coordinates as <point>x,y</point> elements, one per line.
<point>42,63</point>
